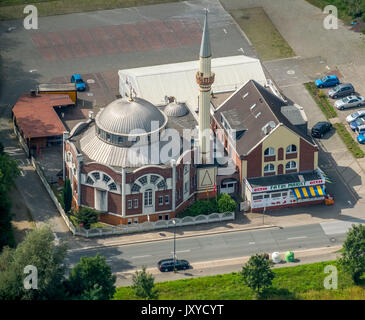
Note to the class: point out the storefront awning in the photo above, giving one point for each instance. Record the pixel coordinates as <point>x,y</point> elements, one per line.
<point>308,192</point>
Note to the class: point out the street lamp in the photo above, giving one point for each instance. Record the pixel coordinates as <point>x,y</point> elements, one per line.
<point>174,222</point>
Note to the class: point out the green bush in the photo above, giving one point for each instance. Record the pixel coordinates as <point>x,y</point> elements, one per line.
<point>87,216</point>
<point>67,195</point>
<point>350,143</point>
<point>226,203</point>
<point>200,207</point>
<point>320,98</point>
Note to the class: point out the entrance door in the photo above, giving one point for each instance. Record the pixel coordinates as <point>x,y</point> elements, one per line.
<point>101,203</point>
<point>148,201</point>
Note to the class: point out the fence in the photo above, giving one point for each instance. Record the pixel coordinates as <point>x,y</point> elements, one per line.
<point>130,228</point>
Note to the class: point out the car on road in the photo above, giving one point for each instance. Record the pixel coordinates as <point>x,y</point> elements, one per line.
<point>361,134</point>
<point>341,90</point>
<point>327,81</point>
<point>321,128</point>
<point>349,102</point>
<point>358,122</point>
<point>168,265</point>
<point>353,116</point>
<point>80,84</point>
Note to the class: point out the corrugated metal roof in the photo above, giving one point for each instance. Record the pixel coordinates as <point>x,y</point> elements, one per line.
<point>57,87</point>
<point>156,82</point>
<point>36,116</point>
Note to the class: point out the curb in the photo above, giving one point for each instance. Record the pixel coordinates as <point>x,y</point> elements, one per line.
<point>200,234</point>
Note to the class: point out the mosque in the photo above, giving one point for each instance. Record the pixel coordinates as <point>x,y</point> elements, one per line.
<point>135,162</point>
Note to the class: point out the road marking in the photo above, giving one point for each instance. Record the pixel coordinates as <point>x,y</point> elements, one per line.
<point>303,237</point>
<point>251,243</point>
<point>225,31</point>
<point>188,250</point>
<point>137,257</point>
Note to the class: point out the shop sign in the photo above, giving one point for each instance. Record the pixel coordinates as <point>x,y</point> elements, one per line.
<point>288,185</point>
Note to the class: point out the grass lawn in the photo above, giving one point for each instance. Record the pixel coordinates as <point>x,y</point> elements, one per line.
<point>350,143</point>
<point>13,9</point>
<point>321,100</point>
<point>269,44</point>
<point>299,282</point>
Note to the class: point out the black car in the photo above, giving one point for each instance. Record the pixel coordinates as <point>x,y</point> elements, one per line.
<point>320,128</point>
<point>168,265</point>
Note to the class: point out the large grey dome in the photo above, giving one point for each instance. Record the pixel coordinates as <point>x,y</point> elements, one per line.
<point>174,109</point>
<point>123,115</point>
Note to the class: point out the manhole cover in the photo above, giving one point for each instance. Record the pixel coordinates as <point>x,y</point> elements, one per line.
<point>290,72</point>
<point>90,81</point>
<point>333,240</point>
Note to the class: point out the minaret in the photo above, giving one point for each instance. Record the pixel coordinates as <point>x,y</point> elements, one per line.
<point>204,78</point>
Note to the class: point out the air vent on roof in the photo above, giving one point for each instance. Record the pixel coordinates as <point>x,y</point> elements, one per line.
<point>256,116</point>
<point>245,95</point>
<point>268,127</point>
<point>253,106</point>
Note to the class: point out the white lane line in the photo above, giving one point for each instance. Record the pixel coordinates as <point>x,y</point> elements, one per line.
<point>225,31</point>
<point>188,250</point>
<point>303,237</point>
<point>137,257</point>
<point>251,243</point>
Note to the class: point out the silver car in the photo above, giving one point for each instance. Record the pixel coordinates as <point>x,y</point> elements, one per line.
<point>349,102</point>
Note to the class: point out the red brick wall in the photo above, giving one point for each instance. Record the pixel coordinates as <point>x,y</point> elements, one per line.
<point>87,196</point>
<point>291,155</point>
<point>114,203</point>
<point>280,154</point>
<point>164,207</point>
<point>306,157</point>
<point>133,211</point>
<point>254,162</point>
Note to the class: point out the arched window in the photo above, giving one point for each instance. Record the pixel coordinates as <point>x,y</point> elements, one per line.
<point>269,168</point>
<point>291,165</point>
<point>148,198</point>
<point>269,152</point>
<point>291,148</point>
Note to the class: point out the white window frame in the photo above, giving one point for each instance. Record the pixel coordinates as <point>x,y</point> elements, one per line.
<point>269,166</point>
<point>129,204</point>
<point>290,147</point>
<point>147,195</point>
<point>167,199</point>
<point>135,203</point>
<point>160,200</point>
<point>271,152</point>
<point>290,165</point>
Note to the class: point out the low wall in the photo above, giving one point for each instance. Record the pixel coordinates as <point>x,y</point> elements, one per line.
<point>131,228</point>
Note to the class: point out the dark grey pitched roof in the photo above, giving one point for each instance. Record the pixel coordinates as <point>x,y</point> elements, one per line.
<point>205,50</point>
<point>254,107</point>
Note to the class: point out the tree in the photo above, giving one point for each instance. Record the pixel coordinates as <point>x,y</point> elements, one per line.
<point>257,274</point>
<point>353,255</point>
<point>87,216</point>
<point>91,279</point>
<point>8,172</point>
<point>39,250</point>
<point>144,285</point>
<point>226,203</point>
<point>67,195</point>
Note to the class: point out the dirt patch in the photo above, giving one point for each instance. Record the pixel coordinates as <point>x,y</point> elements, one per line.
<point>22,218</point>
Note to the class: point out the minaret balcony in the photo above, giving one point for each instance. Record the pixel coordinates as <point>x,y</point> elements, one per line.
<point>204,80</point>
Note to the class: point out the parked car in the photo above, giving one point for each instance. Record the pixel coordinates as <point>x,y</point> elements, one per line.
<point>327,81</point>
<point>341,90</point>
<point>168,265</point>
<point>358,122</point>
<point>353,116</point>
<point>80,84</point>
<point>320,128</point>
<point>349,102</point>
<point>361,134</point>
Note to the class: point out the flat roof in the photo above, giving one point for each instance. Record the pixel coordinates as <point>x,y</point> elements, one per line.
<point>36,116</point>
<point>57,87</point>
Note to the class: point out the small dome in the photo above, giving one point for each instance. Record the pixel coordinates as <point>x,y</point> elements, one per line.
<point>176,109</point>
<point>122,116</point>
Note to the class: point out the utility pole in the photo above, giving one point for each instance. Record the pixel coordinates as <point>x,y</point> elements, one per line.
<point>174,222</point>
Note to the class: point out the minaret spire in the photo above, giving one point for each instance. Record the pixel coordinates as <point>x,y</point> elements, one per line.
<point>205,79</point>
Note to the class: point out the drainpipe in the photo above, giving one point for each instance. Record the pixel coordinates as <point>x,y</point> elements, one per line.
<point>79,162</point>
<point>64,138</point>
<point>123,192</point>
<point>173,165</point>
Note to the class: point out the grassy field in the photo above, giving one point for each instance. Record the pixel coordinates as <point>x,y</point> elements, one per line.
<point>269,43</point>
<point>13,9</point>
<point>321,100</point>
<point>299,282</point>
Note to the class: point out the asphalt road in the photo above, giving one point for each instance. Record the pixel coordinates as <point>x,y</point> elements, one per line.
<point>217,247</point>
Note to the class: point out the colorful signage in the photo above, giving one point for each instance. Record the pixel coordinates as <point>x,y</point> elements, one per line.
<point>288,185</point>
